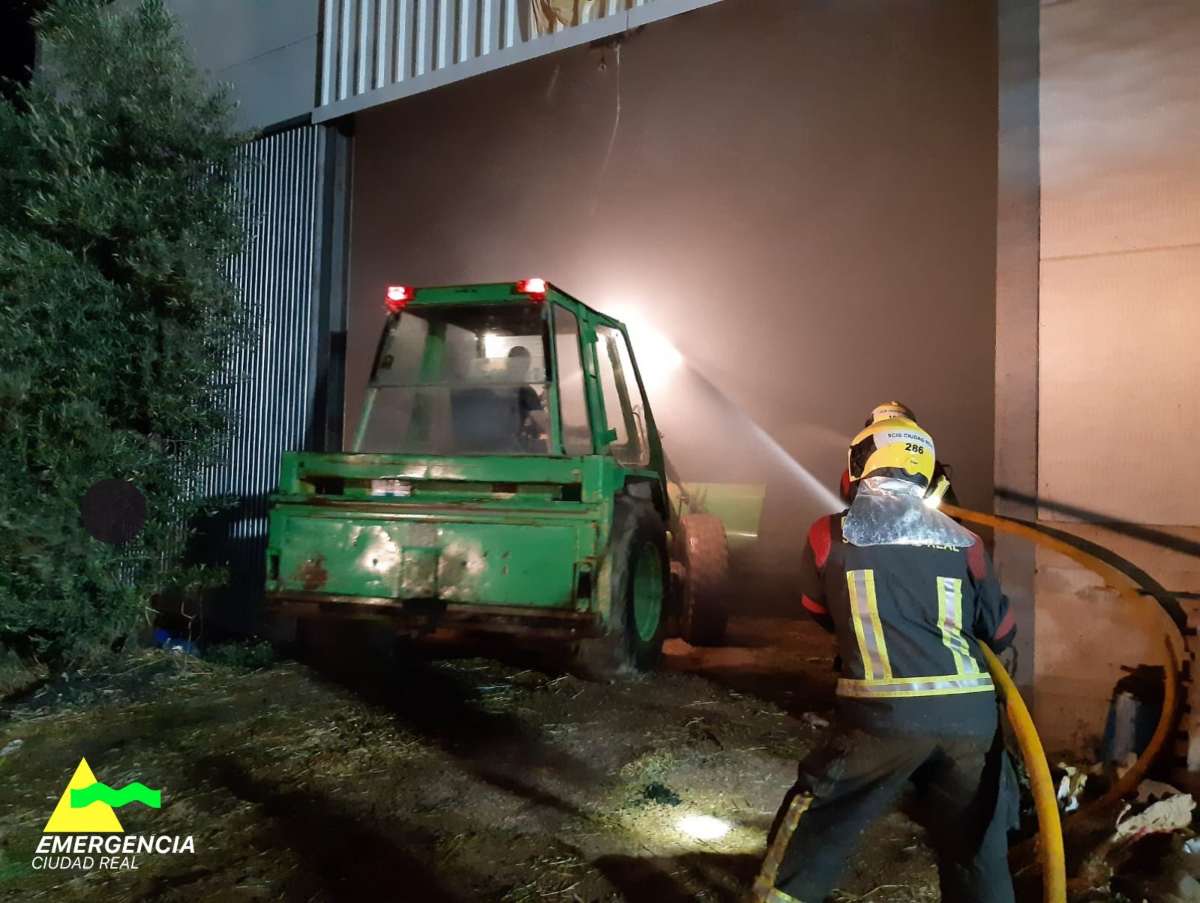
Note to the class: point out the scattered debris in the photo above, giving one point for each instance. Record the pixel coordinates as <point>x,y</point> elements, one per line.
<point>1071,786</point>
<point>1171,814</point>
<point>812,719</point>
<point>1164,817</point>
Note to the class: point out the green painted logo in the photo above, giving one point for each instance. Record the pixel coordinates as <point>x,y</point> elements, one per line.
<point>136,792</point>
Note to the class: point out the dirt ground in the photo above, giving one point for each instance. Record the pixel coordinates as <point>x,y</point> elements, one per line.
<point>444,772</point>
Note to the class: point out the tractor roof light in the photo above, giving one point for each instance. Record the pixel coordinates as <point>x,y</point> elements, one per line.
<point>534,287</point>
<point>398,297</point>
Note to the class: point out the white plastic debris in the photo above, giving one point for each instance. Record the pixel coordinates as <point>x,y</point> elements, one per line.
<point>1171,814</point>
<point>11,747</point>
<point>812,719</point>
<point>1191,846</point>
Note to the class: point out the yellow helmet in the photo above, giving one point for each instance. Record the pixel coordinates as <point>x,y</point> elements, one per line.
<point>888,410</point>
<point>894,447</point>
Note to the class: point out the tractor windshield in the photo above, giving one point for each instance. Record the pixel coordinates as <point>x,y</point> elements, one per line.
<point>460,379</point>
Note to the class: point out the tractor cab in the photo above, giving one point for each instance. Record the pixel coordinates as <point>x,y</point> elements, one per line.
<point>518,369</point>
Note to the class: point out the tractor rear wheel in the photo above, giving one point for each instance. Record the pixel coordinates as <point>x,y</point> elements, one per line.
<point>704,612</point>
<point>636,626</point>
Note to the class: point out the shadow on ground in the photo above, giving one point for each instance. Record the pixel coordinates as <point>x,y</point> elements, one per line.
<point>435,692</point>
<point>680,879</point>
<point>339,858</point>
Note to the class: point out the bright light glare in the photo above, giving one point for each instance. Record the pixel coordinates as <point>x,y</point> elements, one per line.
<point>493,345</point>
<point>656,357</point>
<point>933,501</point>
<point>703,827</point>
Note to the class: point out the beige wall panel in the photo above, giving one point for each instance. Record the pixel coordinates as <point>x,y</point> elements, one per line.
<point>1086,632</point>
<point>1120,125</point>
<point>1120,370</point>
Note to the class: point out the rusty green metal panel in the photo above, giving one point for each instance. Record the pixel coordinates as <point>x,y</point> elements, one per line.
<point>485,557</point>
<point>497,530</point>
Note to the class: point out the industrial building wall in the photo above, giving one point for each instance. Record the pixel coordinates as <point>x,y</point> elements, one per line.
<point>375,51</point>
<point>266,50</point>
<point>800,196</point>
<point>1120,316</point>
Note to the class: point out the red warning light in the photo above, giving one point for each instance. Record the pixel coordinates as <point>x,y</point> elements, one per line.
<point>535,287</point>
<point>398,296</point>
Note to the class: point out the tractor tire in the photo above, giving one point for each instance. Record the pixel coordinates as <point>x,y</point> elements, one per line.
<point>704,609</point>
<point>633,638</point>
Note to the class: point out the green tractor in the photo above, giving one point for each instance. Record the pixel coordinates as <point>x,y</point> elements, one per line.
<point>506,476</point>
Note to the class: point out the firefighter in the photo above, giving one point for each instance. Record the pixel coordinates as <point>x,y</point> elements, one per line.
<point>909,594</point>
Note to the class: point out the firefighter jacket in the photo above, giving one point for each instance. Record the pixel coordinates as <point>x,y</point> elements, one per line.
<point>908,621</point>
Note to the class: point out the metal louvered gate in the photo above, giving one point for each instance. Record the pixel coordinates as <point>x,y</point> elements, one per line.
<point>284,383</point>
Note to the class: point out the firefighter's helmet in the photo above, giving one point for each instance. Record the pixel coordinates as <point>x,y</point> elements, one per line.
<point>888,410</point>
<point>894,447</point>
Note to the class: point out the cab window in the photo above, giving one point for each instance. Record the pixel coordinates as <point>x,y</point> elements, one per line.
<point>624,407</point>
<point>572,400</point>
<point>460,379</point>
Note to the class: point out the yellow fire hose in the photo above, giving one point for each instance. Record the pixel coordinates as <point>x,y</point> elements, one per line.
<point>1045,801</point>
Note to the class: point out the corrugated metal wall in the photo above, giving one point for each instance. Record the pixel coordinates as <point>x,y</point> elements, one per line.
<point>272,379</point>
<point>373,51</point>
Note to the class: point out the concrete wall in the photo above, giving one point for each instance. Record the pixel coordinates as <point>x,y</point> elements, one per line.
<point>799,195</point>
<point>266,49</point>
<point>1120,315</point>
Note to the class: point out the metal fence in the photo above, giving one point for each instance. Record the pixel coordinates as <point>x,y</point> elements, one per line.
<point>271,382</point>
